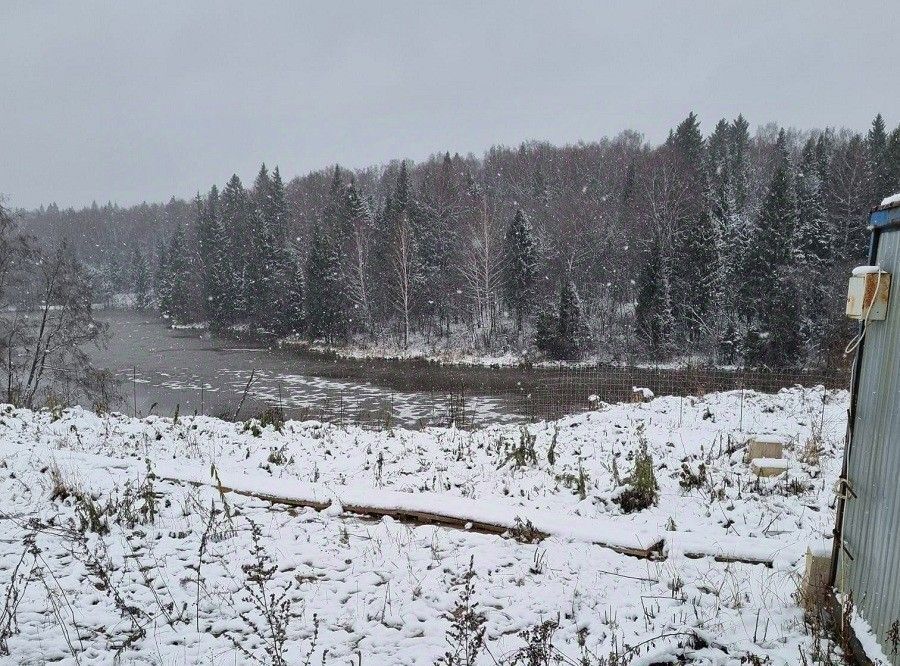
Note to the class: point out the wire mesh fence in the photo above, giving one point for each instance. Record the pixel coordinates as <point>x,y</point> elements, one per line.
<point>579,389</point>
<point>532,394</point>
<point>462,397</point>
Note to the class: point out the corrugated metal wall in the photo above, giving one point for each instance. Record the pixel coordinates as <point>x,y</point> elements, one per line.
<point>872,519</point>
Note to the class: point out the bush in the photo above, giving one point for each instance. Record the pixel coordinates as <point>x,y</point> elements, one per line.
<point>642,490</point>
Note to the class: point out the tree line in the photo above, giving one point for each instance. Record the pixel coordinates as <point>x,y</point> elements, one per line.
<point>734,246</point>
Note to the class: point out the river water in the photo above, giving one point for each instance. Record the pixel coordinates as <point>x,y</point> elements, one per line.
<point>192,371</point>
<point>163,370</point>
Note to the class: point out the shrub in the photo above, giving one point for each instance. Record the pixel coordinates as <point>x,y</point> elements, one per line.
<point>642,490</point>
<point>467,623</point>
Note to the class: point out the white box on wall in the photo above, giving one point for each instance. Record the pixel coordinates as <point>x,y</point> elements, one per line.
<point>869,287</point>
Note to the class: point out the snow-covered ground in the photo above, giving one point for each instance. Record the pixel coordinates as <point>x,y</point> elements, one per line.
<point>458,352</point>
<point>100,558</point>
<point>454,352</point>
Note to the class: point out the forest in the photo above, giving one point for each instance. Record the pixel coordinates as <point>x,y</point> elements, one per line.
<point>726,248</point>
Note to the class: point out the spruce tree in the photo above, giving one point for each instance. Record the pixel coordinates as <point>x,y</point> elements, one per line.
<point>285,281</point>
<point>261,254</point>
<point>236,211</point>
<point>783,343</point>
<point>278,220</point>
<point>883,177</point>
<point>216,263</point>
<point>654,311</point>
<point>695,263</point>
<point>180,278</point>
<point>811,249</point>
<point>768,294</point>
<point>724,212</point>
<point>521,266</point>
<point>546,329</point>
<point>288,311</point>
<point>140,280</point>
<point>811,243</point>
<point>323,316</point>
<point>720,172</point>
<point>893,154</point>
<point>571,335</point>
<point>739,163</point>
<point>771,238</point>
<point>327,301</point>
<point>401,190</point>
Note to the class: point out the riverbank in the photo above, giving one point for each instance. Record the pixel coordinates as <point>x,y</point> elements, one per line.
<point>136,559</point>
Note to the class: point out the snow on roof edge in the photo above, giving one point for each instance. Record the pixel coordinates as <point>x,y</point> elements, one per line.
<point>892,200</point>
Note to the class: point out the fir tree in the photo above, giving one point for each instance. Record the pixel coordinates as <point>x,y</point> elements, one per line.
<point>520,267</point>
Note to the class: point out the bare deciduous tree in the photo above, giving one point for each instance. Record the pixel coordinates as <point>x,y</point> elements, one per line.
<point>482,271</point>
<point>43,347</point>
<point>404,274</point>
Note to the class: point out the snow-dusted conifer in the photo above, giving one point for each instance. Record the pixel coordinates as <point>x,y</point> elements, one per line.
<point>521,266</point>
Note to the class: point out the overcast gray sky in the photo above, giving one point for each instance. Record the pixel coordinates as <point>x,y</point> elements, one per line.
<point>133,101</point>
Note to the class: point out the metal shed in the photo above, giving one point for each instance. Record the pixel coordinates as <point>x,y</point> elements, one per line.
<point>867,553</point>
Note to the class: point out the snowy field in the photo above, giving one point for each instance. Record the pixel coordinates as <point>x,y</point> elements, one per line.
<point>104,556</point>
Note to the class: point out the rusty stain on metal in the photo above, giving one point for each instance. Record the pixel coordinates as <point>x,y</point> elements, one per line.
<point>875,290</point>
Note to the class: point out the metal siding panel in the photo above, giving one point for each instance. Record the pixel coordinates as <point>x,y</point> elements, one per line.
<point>872,519</point>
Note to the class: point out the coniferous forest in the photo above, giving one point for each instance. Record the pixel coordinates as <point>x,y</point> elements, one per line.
<point>733,244</point>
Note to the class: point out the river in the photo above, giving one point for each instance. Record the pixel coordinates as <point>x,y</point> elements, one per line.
<point>194,371</point>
